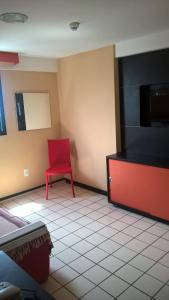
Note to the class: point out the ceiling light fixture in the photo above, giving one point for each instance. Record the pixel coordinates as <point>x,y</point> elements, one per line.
<point>74,25</point>
<point>13,17</point>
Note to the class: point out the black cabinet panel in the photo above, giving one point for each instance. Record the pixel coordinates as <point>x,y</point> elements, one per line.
<point>136,71</point>
<point>145,68</point>
<point>130,102</point>
<point>2,115</point>
<point>147,141</point>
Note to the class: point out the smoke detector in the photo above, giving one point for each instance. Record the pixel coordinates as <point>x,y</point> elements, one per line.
<point>74,25</point>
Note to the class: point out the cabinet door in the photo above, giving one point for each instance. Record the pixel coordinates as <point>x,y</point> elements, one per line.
<point>128,185</point>
<point>141,187</point>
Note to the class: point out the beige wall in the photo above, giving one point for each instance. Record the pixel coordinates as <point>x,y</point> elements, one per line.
<point>87,112</point>
<point>25,149</point>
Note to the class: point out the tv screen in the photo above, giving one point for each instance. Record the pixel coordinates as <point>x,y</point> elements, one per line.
<point>154,106</point>
<point>159,110</point>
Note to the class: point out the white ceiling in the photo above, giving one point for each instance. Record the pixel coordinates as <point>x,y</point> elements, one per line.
<point>103,22</point>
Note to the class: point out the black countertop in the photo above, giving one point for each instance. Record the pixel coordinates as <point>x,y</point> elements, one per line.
<point>161,162</point>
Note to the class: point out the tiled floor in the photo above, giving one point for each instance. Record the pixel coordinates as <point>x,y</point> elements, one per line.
<point>100,251</point>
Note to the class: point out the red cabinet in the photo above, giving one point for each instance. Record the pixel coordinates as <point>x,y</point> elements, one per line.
<point>139,186</point>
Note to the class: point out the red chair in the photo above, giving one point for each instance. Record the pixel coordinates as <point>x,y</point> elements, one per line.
<point>59,161</point>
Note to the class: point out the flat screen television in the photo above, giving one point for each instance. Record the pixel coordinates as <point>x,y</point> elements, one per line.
<point>154,105</point>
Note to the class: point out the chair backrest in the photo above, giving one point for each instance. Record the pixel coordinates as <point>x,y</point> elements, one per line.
<point>59,152</point>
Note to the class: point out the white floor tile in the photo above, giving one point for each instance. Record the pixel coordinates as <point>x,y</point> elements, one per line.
<point>165,260</point>
<point>133,294</point>
<point>142,225</point>
<point>81,264</point>
<point>121,238</point>
<point>132,231</point>
<point>128,273</point>
<point>82,247</point>
<point>160,272</point>
<point>70,239</point>
<point>68,255</point>
<point>105,220</point>
<point>162,225</point>
<point>75,216</point>
<point>163,293</point>
<point>148,220</point>
<point>65,275</point>
<point>84,210</point>
<point>118,225</point>
<point>136,245</point>
<point>59,233</point>
<point>96,255</point>
<point>95,226</point>
<point>55,264</point>
<point>73,226</point>
<point>51,285</point>
<point>98,294</point>
<point>107,231</point>
<point>153,253</point>
<point>54,216</point>
<point>84,221</point>
<point>96,239</point>
<point>56,207</point>
<point>114,286</point>
<point>117,214</point>
<point>162,244</point>
<point>96,274</point>
<point>147,237</point>
<point>159,231</point>
<point>52,226</point>
<point>58,247</point>
<point>148,284</point>
<point>141,262</point>
<point>95,215</point>
<point>166,235</point>
<point>62,221</point>
<point>109,246</point>
<point>63,294</point>
<point>95,206</point>
<point>45,212</point>
<point>65,211</point>
<point>83,232</point>
<point>129,219</point>
<point>125,254</point>
<point>80,286</point>
<point>106,209</point>
<point>111,263</point>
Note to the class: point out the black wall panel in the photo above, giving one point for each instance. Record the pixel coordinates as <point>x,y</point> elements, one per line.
<point>134,72</point>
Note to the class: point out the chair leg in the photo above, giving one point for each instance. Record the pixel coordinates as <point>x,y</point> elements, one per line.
<point>50,181</point>
<point>72,185</point>
<point>46,187</point>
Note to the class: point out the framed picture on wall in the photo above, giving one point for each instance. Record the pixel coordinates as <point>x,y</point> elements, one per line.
<point>33,110</point>
<point>2,114</point>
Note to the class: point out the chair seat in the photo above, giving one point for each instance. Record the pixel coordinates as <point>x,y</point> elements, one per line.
<point>59,169</point>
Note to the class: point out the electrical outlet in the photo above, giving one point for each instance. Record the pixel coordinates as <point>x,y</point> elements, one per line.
<point>26,172</point>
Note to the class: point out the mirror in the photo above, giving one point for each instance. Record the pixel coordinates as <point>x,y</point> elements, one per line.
<point>33,111</point>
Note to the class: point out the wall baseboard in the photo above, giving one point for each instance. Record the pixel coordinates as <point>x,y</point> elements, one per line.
<point>26,191</point>
<point>88,187</point>
<point>76,183</point>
